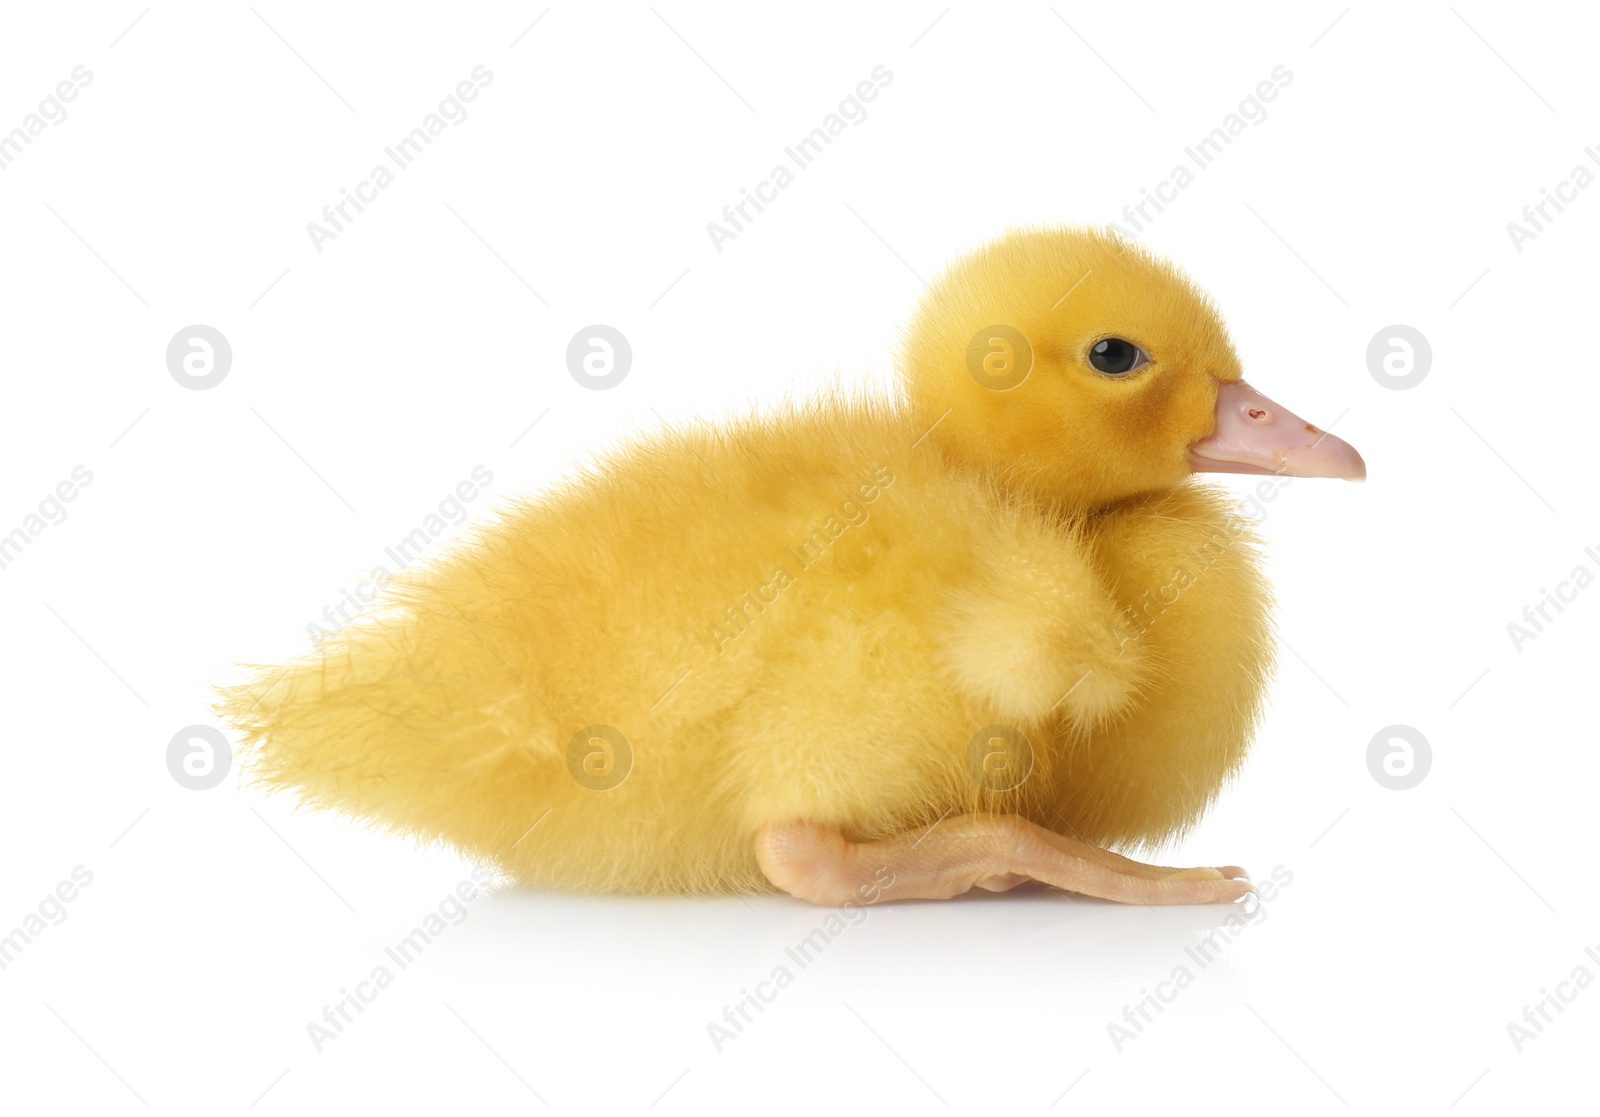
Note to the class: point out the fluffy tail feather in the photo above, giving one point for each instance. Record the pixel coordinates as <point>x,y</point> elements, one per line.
<point>412,720</point>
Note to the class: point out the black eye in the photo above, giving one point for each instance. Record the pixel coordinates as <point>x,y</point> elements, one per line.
<point>1115,356</point>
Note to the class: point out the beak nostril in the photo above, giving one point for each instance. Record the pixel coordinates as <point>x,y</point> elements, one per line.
<point>1256,413</point>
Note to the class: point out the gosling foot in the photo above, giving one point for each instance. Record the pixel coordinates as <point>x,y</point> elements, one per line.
<point>815,862</point>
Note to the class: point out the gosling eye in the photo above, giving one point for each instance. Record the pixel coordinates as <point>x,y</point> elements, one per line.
<point>1117,356</point>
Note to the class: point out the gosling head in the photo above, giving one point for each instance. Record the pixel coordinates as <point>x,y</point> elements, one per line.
<point>1075,367</point>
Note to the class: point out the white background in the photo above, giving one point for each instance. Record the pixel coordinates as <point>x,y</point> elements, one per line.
<point>369,379</point>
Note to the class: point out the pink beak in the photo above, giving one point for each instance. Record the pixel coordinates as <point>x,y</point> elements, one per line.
<point>1255,435</point>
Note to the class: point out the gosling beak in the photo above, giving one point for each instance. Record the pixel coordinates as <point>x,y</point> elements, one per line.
<point>1255,435</point>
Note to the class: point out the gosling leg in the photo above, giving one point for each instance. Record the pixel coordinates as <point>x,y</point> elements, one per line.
<point>812,861</point>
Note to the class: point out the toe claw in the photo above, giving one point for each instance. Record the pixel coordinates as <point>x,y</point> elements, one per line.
<point>1249,900</point>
